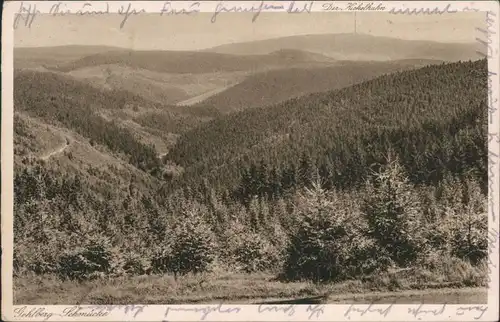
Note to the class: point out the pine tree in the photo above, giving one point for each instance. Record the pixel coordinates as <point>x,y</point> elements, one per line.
<point>325,170</point>
<point>305,170</point>
<point>254,214</point>
<point>289,177</point>
<point>275,190</point>
<point>243,192</point>
<point>262,179</point>
<point>254,181</point>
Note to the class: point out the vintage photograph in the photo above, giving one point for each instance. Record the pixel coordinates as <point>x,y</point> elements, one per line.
<point>320,157</point>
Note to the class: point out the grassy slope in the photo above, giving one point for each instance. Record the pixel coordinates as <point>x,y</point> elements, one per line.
<point>236,288</point>
<point>166,88</point>
<point>80,157</point>
<point>35,137</point>
<point>350,46</point>
<point>275,86</point>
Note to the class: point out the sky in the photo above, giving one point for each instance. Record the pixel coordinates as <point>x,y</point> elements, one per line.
<point>155,32</point>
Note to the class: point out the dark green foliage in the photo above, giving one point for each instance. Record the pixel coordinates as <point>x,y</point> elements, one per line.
<point>58,216</point>
<point>164,121</point>
<point>468,228</point>
<point>136,264</point>
<point>162,260</point>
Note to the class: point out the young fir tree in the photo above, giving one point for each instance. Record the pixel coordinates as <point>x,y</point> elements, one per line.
<point>326,242</point>
<point>393,212</point>
<point>193,247</point>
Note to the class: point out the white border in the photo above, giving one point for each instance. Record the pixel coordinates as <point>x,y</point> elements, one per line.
<point>228,312</point>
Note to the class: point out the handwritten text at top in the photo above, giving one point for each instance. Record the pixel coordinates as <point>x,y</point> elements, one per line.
<point>28,12</point>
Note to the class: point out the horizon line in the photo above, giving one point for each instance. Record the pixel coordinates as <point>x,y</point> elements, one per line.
<point>246,42</point>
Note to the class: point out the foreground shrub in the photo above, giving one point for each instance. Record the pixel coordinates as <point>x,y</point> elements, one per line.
<point>97,258</point>
<point>253,253</point>
<point>393,212</point>
<point>328,242</point>
<point>136,264</point>
<point>446,268</point>
<point>162,260</point>
<point>459,220</point>
<point>34,258</point>
<point>470,224</point>
<point>193,246</point>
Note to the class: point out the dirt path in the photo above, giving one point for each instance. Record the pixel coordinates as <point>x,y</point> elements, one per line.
<point>471,295</point>
<point>57,151</point>
<point>202,97</point>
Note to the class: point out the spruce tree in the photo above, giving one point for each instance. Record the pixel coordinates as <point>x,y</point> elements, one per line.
<point>305,170</point>
<point>394,214</point>
<point>193,247</point>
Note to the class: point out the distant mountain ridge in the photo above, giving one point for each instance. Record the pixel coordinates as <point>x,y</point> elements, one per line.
<point>41,56</point>
<point>330,45</point>
<point>361,46</point>
<point>269,53</point>
<point>233,77</point>
<point>195,61</point>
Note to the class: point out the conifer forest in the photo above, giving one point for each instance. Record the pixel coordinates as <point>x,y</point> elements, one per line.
<point>304,169</point>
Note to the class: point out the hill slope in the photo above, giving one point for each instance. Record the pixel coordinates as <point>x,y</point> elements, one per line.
<point>274,86</point>
<point>166,88</point>
<point>357,47</point>
<point>430,114</point>
<point>196,62</point>
<point>166,77</point>
<point>32,57</point>
<point>121,121</point>
<point>94,205</point>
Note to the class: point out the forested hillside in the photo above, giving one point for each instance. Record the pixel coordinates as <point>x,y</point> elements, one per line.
<point>195,62</point>
<point>165,88</point>
<point>274,86</point>
<point>62,101</point>
<point>434,118</point>
<point>387,174</point>
<point>29,57</point>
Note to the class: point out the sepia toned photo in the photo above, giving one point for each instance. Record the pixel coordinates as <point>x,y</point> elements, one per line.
<point>267,158</point>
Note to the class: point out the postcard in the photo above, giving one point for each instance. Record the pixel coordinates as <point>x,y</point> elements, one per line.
<point>250,161</point>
